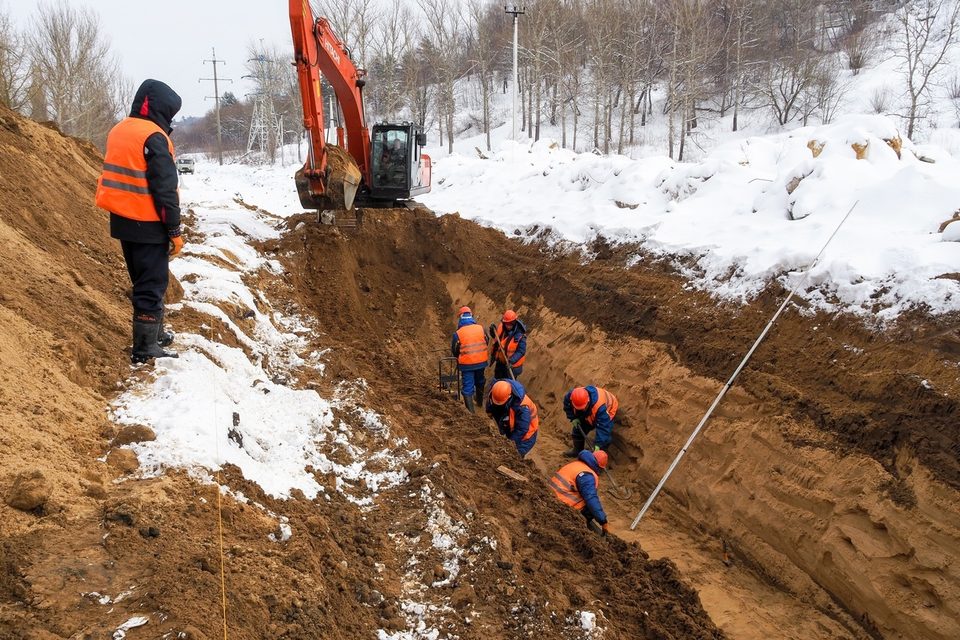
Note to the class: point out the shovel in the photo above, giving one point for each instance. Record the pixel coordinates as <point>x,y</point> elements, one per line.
<point>615,490</point>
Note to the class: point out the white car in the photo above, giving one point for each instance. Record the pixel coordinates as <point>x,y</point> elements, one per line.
<point>185,165</point>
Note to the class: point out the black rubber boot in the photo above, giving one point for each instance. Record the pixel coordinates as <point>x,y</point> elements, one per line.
<point>577,448</point>
<point>468,403</point>
<point>164,336</point>
<point>478,398</point>
<point>145,347</point>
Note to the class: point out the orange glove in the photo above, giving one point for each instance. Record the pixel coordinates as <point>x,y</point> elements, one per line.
<point>605,528</point>
<point>176,244</point>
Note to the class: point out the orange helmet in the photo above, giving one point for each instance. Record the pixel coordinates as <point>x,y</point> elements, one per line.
<point>464,310</point>
<point>601,457</point>
<point>579,398</point>
<point>500,392</point>
<point>509,315</point>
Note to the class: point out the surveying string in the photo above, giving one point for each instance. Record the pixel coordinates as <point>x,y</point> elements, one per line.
<point>739,368</point>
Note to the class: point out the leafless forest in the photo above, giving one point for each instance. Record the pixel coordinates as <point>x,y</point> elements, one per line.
<point>596,71</point>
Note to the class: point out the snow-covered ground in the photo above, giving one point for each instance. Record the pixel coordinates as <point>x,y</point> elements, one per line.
<point>754,210</point>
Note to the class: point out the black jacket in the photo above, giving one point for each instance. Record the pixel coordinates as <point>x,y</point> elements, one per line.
<point>162,104</point>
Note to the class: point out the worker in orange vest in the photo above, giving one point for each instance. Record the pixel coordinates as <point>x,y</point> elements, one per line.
<point>469,346</point>
<point>138,186</point>
<point>515,414</point>
<point>511,335</point>
<point>577,484</point>
<point>590,408</point>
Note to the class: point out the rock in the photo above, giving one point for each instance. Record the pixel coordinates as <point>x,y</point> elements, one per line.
<point>134,433</point>
<point>395,624</point>
<point>463,596</point>
<point>30,491</point>
<point>440,573</point>
<point>123,460</point>
<point>150,532</point>
<point>94,489</point>
<point>506,566</point>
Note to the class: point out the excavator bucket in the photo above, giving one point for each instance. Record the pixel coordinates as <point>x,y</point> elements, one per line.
<point>340,184</point>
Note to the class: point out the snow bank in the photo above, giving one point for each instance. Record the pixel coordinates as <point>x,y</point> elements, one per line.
<point>752,211</point>
<point>217,404</point>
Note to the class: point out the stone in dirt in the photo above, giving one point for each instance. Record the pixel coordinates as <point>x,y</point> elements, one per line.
<point>134,433</point>
<point>30,491</point>
<point>123,460</point>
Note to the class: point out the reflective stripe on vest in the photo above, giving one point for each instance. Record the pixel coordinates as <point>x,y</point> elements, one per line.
<point>534,418</point>
<point>122,188</point>
<point>564,483</point>
<point>473,345</point>
<point>510,346</point>
<point>604,398</point>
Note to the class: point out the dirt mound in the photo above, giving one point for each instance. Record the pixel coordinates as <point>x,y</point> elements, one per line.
<point>86,550</point>
<point>821,480</point>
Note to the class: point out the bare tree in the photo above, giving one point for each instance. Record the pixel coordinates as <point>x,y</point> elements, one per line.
<point>444,32</point>
<point>353,21</point>
<point>928,30</point>
<point>14,68</point>
<point>74,70</point>
<point>389,48</point>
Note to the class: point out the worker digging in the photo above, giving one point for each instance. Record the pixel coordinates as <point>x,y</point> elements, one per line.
<point>588,408</point>
<point>469,346</point>
<point>515,414</point>
<point>577,485</point>
<point>508,346</point>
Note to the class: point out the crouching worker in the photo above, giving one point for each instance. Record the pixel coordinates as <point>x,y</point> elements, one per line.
<point>577,484</point>
<point>469,346</point>
<point>590,408</point>
<point>515,414</point>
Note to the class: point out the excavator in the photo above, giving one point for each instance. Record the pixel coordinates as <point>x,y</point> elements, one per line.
<point>382,170</point>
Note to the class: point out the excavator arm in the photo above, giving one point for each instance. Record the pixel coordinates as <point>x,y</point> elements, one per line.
<point>331,177</point>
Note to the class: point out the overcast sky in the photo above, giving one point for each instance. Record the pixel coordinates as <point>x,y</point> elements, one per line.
<point>170,40</point>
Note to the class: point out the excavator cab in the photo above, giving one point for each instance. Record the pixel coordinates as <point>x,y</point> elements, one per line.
<point>399,168</point>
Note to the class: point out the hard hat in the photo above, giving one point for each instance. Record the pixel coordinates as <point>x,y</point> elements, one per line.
<point>509,315</point>
<point>579,398</point>
<point>500,392</point>
<point>601,458</point>
<point>464,310</point>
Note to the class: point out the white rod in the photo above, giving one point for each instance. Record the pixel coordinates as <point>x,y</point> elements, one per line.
<point>743,363</point>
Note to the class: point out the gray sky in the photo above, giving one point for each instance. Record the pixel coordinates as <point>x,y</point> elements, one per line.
<point>169,40</point>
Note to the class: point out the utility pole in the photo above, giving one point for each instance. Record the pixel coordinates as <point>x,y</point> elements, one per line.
<point>516,11</point>
<point>216,98</point>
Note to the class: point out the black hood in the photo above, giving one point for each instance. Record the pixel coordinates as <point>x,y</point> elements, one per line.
<point>156,101</point>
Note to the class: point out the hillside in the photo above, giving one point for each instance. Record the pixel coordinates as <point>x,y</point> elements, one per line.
<point>94,545</point>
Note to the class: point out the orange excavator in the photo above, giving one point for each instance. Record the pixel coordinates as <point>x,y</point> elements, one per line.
<point>381,170</point>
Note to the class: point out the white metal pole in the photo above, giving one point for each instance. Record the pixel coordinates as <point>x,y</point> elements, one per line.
<point>514,92</point>
<point>743,362</point>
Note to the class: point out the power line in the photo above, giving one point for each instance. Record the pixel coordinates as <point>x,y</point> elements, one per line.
<point>216,98</point>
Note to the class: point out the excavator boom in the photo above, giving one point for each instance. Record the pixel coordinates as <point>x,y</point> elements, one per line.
<point>331,177</point>
<point>383,170</point>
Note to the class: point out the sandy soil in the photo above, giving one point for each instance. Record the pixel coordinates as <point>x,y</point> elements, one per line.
<point>830,471</point>
<point>85,546</point>
<point>829,475</point>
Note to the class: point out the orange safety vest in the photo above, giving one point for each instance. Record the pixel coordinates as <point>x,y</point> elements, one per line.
<point>473,344</point>
<point>604,397</point>
<point>534,418</point>
<point>510,346</point>
<point>564,483</point>
<point>122,187</point>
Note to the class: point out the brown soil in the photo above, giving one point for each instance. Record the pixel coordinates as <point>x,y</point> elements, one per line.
<point>829,474</point>
<point>830,471</point>
<point>86,546</point>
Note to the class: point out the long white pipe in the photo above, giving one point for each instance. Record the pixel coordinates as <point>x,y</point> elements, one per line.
<point>743,363</point>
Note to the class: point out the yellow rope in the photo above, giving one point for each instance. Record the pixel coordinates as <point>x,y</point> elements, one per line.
<point>223,583</point>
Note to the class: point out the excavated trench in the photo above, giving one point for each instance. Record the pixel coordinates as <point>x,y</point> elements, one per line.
<point>820,502</point>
